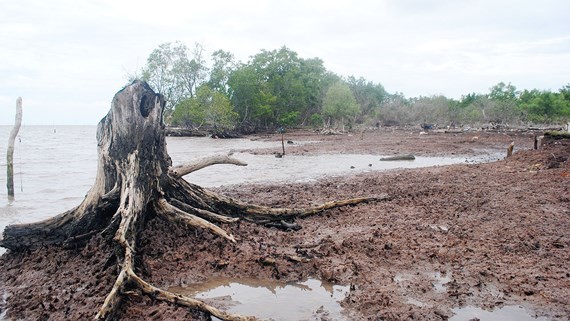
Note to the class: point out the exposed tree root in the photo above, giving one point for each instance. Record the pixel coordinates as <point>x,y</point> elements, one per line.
<point>134,181</point>
<point>172,213</point>
<point>127,239</point>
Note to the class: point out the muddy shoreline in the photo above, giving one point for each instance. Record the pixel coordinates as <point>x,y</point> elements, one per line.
<point>498,232</point>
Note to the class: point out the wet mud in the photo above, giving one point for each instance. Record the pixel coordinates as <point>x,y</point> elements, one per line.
<point>484,235</point>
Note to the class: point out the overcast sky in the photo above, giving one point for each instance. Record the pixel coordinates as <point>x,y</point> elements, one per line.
<point>67,58</point>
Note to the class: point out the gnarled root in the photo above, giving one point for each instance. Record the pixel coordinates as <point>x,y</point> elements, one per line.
<point>179,211</point>
<point>126,237</point>
<point>194,196</point>
<point>173,213</point>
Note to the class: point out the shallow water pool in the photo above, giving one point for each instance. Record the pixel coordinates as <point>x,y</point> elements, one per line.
<point>274,300</point>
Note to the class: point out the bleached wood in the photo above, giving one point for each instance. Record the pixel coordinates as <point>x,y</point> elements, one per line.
<point>10,152</point>
<point>186,169</point>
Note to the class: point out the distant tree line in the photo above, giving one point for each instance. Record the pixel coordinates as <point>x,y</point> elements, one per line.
<point>280,89</point>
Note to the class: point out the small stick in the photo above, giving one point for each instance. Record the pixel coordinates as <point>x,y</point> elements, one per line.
<point>282,140</point>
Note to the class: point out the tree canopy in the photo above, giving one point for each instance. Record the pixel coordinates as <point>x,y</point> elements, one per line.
<point>339,105</point>
<point>208,107</point>
<point>278,88</point>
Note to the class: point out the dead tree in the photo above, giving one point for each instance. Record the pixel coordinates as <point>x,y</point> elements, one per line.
<point>10,152</point>
<point>135,181</point>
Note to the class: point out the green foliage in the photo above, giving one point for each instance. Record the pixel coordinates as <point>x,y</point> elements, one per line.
<point>223,66</point>
<point>171,72</point>
<point>278,88</point>
<point>565,92</point>
<point>369,96</point>
<point>208,107</point>
<point>544,106</point>
<point>503,92</point>
<point>316,120</point>
<point>295,83</point>
<point>290,119</point>
<point>250,96</point>
<point>340,105</point>
<point>187,115</point>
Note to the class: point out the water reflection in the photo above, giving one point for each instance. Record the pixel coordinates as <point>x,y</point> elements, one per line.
<point>308,300</point>
<point>506,313</point>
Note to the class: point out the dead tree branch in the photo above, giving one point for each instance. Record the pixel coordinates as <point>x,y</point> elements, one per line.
<point>186,169</point>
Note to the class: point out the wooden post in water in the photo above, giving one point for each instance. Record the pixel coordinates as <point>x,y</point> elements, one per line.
<point>510,149</point>
<point>10,154</point>
<point>282,130</point>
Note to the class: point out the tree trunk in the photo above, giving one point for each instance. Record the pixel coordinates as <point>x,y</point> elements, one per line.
<point>10,152</point>
<point>135,181</point>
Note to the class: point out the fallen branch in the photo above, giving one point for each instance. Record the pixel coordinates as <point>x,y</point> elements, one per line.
<point>398,158</point>
<point>186,169</point>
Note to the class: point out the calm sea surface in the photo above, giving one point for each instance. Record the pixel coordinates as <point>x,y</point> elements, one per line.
<point>55,166</point>
<point>53,169</point>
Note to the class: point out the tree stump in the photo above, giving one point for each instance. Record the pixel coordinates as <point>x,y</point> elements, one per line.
<point>135,180</point>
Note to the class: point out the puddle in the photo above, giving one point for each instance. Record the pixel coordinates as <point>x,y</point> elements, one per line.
<point>273,300</point>
<point>415,302</point>
<point>507,313</point>
<point>438,280</point>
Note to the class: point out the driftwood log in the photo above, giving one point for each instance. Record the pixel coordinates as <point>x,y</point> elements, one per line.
<point>135,181</point>
<point>407,157</point>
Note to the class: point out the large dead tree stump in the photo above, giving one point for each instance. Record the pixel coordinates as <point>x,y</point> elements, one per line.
<point>135,181</point>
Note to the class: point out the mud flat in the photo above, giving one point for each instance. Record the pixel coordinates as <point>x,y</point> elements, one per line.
<point>451,240</point>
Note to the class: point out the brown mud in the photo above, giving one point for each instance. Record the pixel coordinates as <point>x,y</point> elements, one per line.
<point>498,232</point>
